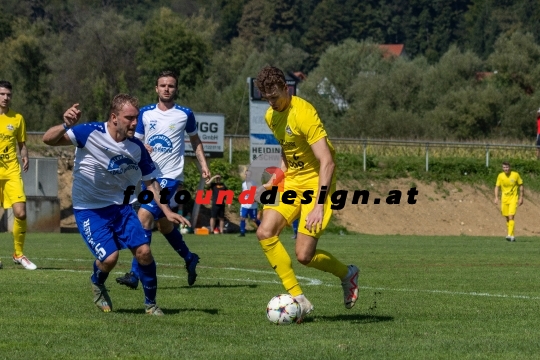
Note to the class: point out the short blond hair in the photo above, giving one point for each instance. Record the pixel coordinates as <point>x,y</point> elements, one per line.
<point>120,100</point>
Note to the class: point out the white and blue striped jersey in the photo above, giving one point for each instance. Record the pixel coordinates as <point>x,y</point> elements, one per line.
<point>104,168</point>
<point>246,185</point>
<point>164,131</point>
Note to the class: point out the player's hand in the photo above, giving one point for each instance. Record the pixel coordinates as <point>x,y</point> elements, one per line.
<point>209,180</point>
<point>72,115</point>
<point>314,219</point>
<point>520,202</point>
<point>26,163</point>
<point>496,201</point>
<point>178,219</point>
<point>148,148</point>
<point>205,173</point>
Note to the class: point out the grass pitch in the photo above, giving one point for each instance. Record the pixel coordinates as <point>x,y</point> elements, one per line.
<point>420,297</point>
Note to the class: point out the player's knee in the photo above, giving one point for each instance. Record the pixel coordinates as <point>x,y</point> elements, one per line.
<point>143,254</point>
<point>304,258</point>
<point>165,227</point>
<point>264,232</point>
<point>19,211</point>
<point>20,215</point>
<point>109,262</point>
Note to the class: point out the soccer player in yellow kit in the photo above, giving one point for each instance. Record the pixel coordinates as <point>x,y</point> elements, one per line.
<point>13,135</point>
<point>509,182</point>
<point>308,164</point>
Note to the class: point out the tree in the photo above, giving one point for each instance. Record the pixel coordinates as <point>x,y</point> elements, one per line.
<point>96,62</point>
<point>167,44</point>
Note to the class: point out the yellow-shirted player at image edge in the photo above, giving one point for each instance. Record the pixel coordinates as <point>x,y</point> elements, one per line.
<point>509,182</point>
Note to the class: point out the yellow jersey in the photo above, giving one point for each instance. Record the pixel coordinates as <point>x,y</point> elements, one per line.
<point>509,186</point>
<point>296,129</point>
<point>12,132</point>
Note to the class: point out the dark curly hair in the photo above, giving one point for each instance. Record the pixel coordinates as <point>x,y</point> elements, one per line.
<point>269,79</point>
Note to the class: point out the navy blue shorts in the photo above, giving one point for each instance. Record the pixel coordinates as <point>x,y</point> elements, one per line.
<point>109,229</point>
<point>248,213</point>
<point>172,186</point>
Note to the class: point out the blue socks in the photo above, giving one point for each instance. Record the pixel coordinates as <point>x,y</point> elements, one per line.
<point>99,277</point>
<point>177,242</point>
<point>134,263</point>
<point>149,282</point>
<point>242,226</point>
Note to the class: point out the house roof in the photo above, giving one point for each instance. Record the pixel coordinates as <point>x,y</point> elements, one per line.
<point>392,49</point>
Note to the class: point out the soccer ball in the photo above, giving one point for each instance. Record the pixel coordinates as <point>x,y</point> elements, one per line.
<point>282,310</point>
<point>184,229</point>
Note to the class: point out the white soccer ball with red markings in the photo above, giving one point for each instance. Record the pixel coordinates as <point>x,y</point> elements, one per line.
<point>282,310</point>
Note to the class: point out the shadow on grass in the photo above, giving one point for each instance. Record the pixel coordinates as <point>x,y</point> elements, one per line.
<point>168,311</point>
<point>353,318</point>
<point>221,286</point>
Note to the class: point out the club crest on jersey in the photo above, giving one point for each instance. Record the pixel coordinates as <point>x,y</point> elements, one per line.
<point>160,143</point>
<point>121,164</point>
<point>288,130</point>
<point>10,127</point>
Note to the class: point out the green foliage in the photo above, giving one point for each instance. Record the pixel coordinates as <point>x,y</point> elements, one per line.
<point>59,52</point>
<point>166,44</point>
<point>100,66</point>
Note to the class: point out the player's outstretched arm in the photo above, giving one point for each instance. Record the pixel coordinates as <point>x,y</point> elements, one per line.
<point>56,135</point>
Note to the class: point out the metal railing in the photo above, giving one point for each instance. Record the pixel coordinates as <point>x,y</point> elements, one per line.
<point>382,147</point>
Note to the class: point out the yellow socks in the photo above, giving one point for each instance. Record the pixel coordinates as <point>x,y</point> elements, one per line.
<point>281,262</point>
<point>511,224</point>
<point>327,262</point>
<point>19,234</point>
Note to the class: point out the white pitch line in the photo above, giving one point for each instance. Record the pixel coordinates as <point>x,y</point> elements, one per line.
<point>447,292</point>
<point>311,281</point>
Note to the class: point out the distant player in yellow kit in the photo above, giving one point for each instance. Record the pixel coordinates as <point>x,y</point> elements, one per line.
<point>308,165</point>
<point>13,136</point>
<point>509,182</point>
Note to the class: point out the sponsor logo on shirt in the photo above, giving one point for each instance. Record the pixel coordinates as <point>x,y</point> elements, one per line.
<point>160,143</point>
<point>288,130</point>
<point>10,127</point>
<point>121,164</point>
<point>286,145</point>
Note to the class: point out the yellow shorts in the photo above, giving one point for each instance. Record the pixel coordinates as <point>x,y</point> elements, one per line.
<point>509,209</point>
<point>298,210</point>
<point>11,192</point>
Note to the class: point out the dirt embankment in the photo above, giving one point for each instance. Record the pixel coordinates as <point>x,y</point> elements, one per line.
<point>448,209</point>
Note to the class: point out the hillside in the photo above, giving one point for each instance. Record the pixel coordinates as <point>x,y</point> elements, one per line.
<point>449,209</point>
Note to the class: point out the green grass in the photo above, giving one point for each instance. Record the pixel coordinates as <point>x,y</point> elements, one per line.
<point>421,297</point>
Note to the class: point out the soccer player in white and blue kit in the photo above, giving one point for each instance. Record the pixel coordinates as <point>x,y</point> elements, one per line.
<point>161,126</point>
<point>248,210</point>
<point>109,162</point>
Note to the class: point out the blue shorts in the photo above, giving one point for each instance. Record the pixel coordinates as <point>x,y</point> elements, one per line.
<point>152,206</point>
<point>251,213</point>
<point>109,229</point>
